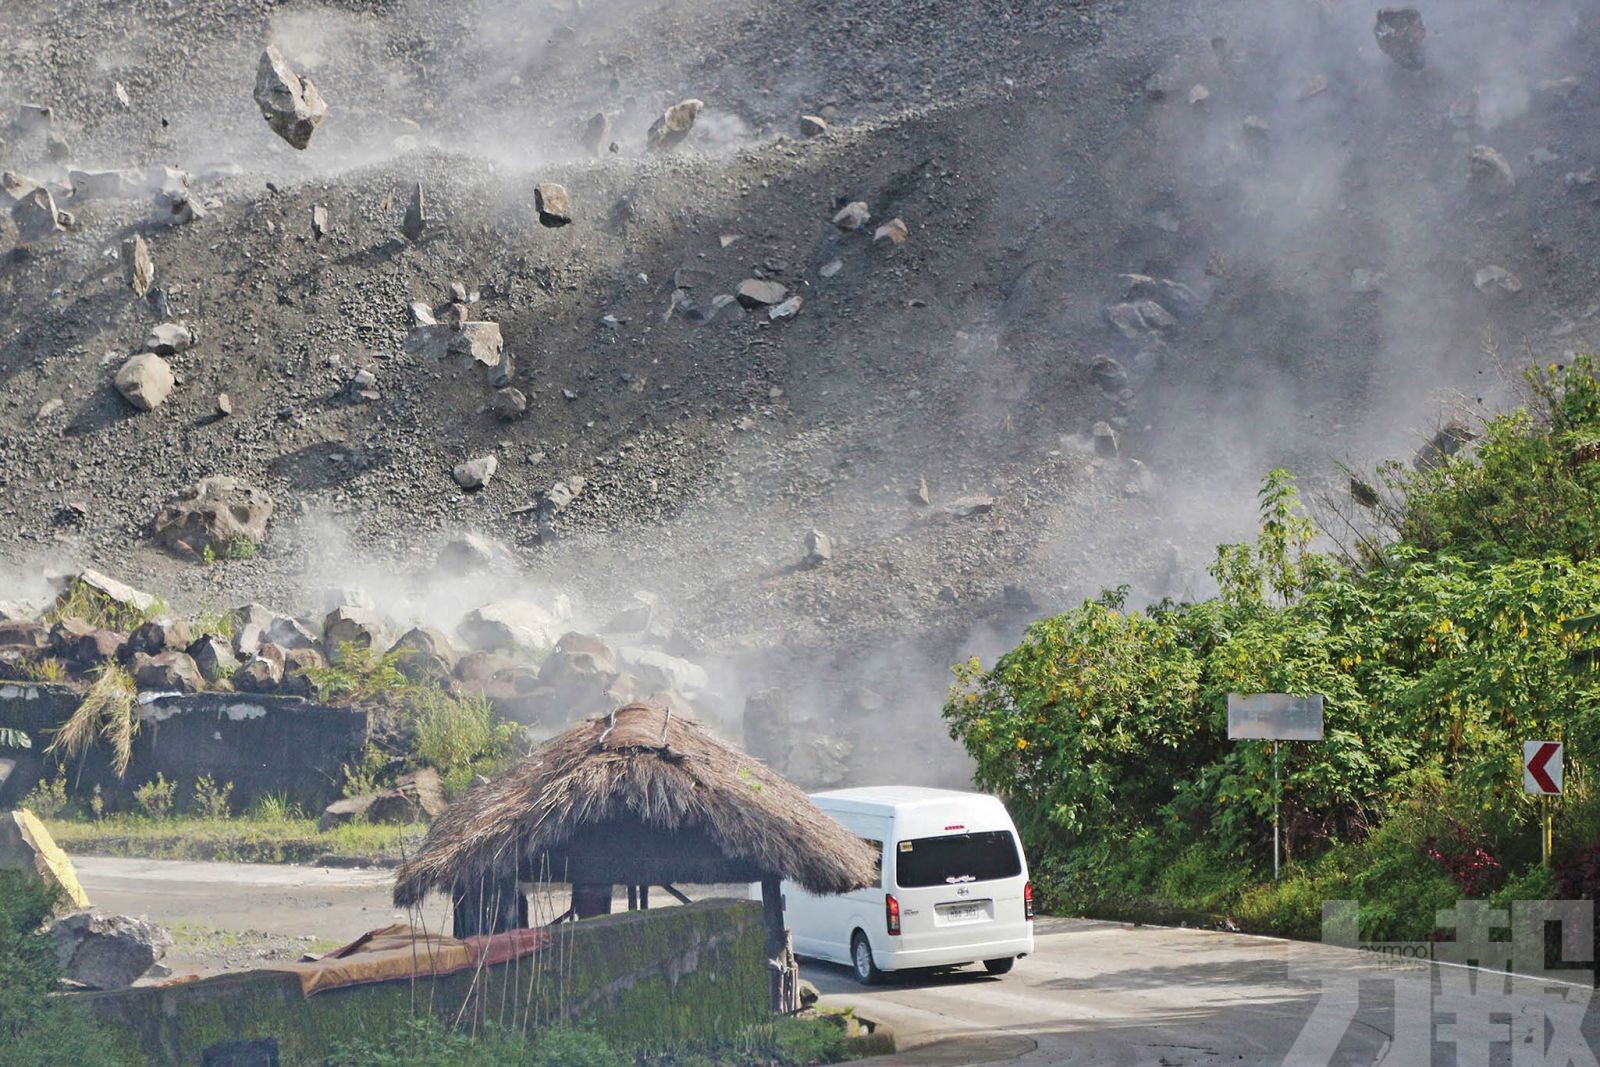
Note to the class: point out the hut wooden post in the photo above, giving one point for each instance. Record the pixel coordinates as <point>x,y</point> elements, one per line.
<point>772,919</point>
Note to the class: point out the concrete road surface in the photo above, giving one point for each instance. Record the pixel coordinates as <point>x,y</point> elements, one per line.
<point>1092,993</point>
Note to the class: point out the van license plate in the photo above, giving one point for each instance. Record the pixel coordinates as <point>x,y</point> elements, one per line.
<point>955,913</point>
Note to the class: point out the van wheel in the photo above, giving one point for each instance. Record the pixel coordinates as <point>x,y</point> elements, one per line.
<point>867,972</point>
<point>1000,966</point>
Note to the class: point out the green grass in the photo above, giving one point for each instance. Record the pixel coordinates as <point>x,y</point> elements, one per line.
<point>237,840</point>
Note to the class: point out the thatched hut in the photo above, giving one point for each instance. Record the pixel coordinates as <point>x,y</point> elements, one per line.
<point>639,797</point>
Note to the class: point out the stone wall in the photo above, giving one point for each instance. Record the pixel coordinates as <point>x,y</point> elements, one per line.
<point>645,979</point>
<point>262,744</point>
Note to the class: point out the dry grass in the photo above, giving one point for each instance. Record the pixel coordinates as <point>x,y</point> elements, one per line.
<point>106,711</point>
<point>640,764</point>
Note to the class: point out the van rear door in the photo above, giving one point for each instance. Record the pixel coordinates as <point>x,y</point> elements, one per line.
<point>955,887</point>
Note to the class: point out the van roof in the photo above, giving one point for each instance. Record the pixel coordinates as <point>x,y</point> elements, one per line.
<point>901,796</point>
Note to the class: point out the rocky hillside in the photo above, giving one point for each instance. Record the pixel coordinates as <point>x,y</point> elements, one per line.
<point>1110,263</point>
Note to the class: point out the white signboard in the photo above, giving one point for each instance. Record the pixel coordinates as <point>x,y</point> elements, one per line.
<point>1274,717</point>
<point>1541,768</point>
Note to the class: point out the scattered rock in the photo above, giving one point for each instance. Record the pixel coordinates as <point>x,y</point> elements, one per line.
<point>668,131</point>
<point>553,204</point>
<point>36,216</point>
<point>818,548</point>
<point>786,310</point>
<point>25,845</point>
<point>475,473</point>
<point>169,338</point>
<point>108,952</point>
<point>215,513</point>
<point>1400,34</point>
<point>168,672</point>
<point>852,216</point>
<point>137,265</point>
<point>757,292</point>
<point>480,340</point>
<point>416,216</point>
<point>1487,168</point>
<point>1496,281</point>
<point>509,404</point>
<point>291,105</point>
<point>813,125</point>
<point>213,658</point>
<point>362,386</point>
<point>145,381</point>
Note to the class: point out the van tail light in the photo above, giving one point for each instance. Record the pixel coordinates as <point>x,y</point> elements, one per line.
<point>1027,902</point>
<point>891,912</point>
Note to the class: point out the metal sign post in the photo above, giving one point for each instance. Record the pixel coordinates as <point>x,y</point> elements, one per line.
<point>1275,717</point>
<point>1543,776</point>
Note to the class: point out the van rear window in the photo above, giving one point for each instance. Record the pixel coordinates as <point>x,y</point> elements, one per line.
<point>957,859</point>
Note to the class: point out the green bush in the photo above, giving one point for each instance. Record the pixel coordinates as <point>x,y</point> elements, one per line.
<point>155,798</point>
<point>457,736</point>
<point>425,1042</point>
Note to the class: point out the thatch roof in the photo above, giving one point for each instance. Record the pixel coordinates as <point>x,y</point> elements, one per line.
<point>639,796</point>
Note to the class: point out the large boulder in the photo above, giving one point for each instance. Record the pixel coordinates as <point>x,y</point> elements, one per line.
<point>159,635</point>
<point>291,105</point>
<point>145,381</point>
<point>168,672</point>
<point>578,659</point>
<point>508,625</point>
<point>416,797</point>
<point>286,632</point>
<point>425,655</point>
<point>659,670</point>
<point>81,645</point>
<point>361,627</point>
<point>215,513</point>
<point>262,673</point>
<point>30,636</point>
<point>91,588</point>
<point>108,951</point>
<point>297,665</point>
<point>25,845</point>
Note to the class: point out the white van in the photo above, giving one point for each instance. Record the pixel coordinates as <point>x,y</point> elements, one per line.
<point>953,885</point>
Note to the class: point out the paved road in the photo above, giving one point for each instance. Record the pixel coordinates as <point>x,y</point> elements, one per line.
<point>1093,992</point>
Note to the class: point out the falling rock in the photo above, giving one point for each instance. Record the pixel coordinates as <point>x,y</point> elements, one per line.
<point>553,204</point>
<point>290,104</point>
<point>416,216</point>
<point>1363,280</point>
<point>509,404</point>
<point>968,507</point>
<point>852,216</point>
<point>1400,34</point>
<point>25,845</point>
<point>167,672</point>
<point>144,381</point>
<point>224,404</point>
<point>1137,319</point>
<point>1487,168</point>
<point>757,292</point>
<point>1105,439</point>
<point>319,222</point>
<point>360,627</point>
<point>1497,281</point>
<point>137,266</point>
<point>920,495</point>
<point>287,633</point>
<point>475,473</point>
<point>786,310</point>
<point>417,796</point>
<point>818,548</point>
<point>107,952</point>
<point>1175,297</point>
<point>596,134</point>
<point>668,131</point>
<point>213,658</point>
<point>102,587</point>
<point>1450,438</point>
<point>469,553</point>
<point>636,617</point>
<point>894,231</point>
<point>215,513</point>
<point>480,340</point>
<point>508,625</point>
<point>169,338</point>
<point>36,216</point>
<point>813,125</point>
<point>1109,375</point>
<point>1199,96</point>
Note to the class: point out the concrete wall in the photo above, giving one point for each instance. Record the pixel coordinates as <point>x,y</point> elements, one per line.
<point>262,744</point>
<point>645,980</point>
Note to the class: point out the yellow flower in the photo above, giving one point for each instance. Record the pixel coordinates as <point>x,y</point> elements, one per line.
<point>1022,742</point>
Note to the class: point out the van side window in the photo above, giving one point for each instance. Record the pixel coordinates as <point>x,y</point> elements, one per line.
<point>877,862</point>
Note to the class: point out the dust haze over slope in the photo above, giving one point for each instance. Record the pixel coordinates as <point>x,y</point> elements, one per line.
<point>1036,151</point>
